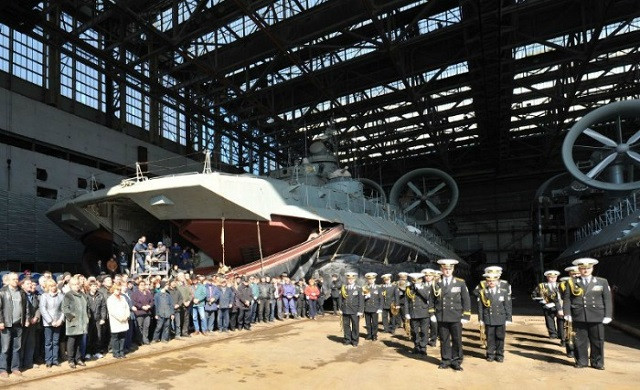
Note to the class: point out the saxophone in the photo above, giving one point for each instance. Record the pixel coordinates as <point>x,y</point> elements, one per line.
<point>569,334</point>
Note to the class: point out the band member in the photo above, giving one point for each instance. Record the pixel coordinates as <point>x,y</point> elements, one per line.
<point>494,312</point>
<point>588,304</point>
<point>372,305</point>
<point>568,340</point>
<point>335,293</point>
<point>546,294</point>
<point>389,299</point>
<point>494,270</point>
<point>402,286</point>
<point>351,303</point>
<point>418,298</point>
<point>429,276</point>
<point>452,308</point>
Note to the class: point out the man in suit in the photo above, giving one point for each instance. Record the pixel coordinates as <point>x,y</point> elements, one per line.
<point>372,305</point>
<point>452,308</point>
<point>588,304</point>
<point>418,302</point>
<point>351,302</point>
<point>546,293</point>
<point>389,297</point>
<point>494,312</point>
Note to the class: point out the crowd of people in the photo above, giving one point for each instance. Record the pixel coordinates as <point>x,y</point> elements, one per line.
<point>78,318</point>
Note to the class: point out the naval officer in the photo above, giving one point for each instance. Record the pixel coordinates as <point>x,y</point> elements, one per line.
<point>588,303</point>
<point>372,305</point>
<point>351,302</point>
<point>418,302</point>
<point>495,313</point>
<point>546,293</point>
<point>389,298</point>
<point>452,308</point>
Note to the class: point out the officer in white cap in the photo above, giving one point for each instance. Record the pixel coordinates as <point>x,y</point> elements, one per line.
<point>495,313</point>
<point>494,270</point>
<point>546,294</point>
<point>372,305</point>
<point>452,308</point>
<point>429,283</point>
<point>389,299</point>
<point>588,304</point>
<point>403,283</point>
<point>351,302</point>
<point>419,300</point>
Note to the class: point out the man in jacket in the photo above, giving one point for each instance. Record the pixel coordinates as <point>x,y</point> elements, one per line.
<point>165,311</point>
<point>178,305</point>
<point>30,331</point>
<point>13,317</point>
<point>244,296</point>
<point>142,300</point>
<point>587,302</point>
<point>97,319</point>
<point>211,304</point>
<point>494,312</point>
<point>265,292</point>
<point>225,302</point>
<point>187,299</point>
<point>335,293</point>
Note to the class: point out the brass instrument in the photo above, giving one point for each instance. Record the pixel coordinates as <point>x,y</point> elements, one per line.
<point>569,334</point>
<point>395,309</point>
<point>407,327</point>
<point>483,337</point>
<point>365,290</point>
<point>341,322</point>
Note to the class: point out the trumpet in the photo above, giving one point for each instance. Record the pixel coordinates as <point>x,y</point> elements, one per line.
<point>483,336</point>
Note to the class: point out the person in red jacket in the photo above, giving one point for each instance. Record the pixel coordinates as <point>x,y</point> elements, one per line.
<point>312,293</point>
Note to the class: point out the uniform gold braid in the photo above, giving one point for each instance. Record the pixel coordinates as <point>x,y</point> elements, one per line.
<point>343,291</point>
<point>485,301</point>
<point>436,293</point>
<point>575,290</point>
<point>384,293</point>
<point>411,295</point>
<point>548,298</point>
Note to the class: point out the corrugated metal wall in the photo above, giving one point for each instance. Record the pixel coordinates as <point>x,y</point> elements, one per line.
<point>28,236</point>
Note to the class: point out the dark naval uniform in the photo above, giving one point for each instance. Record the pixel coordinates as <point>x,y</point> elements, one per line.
<point>402,301</point>
<point>565,338</point>
<point>372,305</point>
<point>351,302</point>
<point>547,294</point>
<point>418,301</point>
<point>335,295</point>
<point>389,296</point>
<point>451,305</point>
<point>588,303</point>
<point>494,309</point>
<point>503,284</point>
<point>433,326</point>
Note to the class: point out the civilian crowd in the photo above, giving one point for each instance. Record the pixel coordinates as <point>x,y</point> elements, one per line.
<point>78,318</point>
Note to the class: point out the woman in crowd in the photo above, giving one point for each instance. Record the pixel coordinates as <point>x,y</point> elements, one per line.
<point>76,313</point>
<point>312,293</point>
<point>52,318</point>
<point>119,314</point>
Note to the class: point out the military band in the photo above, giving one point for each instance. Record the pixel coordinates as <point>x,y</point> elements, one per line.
<point>390,307</point>
<point>546,294</point>
<point>494,313</point>
<point>418,301</point>
<point>435,304</point>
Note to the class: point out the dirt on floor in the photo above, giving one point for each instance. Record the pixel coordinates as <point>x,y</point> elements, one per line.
<point>301,354</point>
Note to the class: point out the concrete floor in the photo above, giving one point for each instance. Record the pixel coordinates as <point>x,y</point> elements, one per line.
<point>301,354</point>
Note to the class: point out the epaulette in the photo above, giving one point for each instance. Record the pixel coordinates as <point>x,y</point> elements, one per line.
<point>459,280</point>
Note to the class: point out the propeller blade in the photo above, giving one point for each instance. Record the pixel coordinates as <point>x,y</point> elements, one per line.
<point>414,188</point>
<point>438,188</point>
<point>600,138</point>
<point>634,155</point>
<point>433,207</point>
<point>595,171</point>
<point>634,138</point>
<point>412,206</point>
